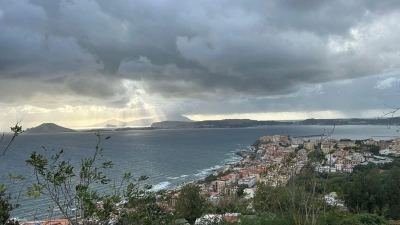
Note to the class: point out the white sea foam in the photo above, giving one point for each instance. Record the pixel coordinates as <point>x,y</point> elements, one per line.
<point>173,178</point>
<point>205,172</point>
<point>161,186</point>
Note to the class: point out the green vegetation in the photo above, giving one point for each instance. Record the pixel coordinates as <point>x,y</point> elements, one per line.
<point>364,219</point>
<point>373,190</point>
<point>191,204</point>
<point>5,206</point>
<point>240,191</point>
<point>257,144</point>
<point>371,194</point>
<point>372,148</point>
<point>7,202</point>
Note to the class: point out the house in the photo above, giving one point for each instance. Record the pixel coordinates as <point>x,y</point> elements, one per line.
<point>347,168</point>
<point>326,147</point>
<point>330,159</point>
<point>338,167</point>
<point>309,145</point>
<point>358,157</point>
<point>231,217</point>
<point>209,219</point>
<point>250,181</point>
<point>345,143</point>
<point>385,152</point>
<point>265,139</point>
<point>383,144</point>
<point>326,169</point>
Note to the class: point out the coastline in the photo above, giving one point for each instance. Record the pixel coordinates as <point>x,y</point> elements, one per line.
<point>220,169</point>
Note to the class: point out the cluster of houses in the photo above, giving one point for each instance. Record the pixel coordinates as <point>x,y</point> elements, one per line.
<point>342,155</point>
<point>275,160</point>
<point>278,158</point>
<point>267,163</point>
<point>43,222</point>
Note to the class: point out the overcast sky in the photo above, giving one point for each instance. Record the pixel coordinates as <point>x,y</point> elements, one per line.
<point>79,62</point>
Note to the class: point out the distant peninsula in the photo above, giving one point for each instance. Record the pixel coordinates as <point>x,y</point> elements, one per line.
<point>390,121</point>
<point>228,123</point>
<point>48,128</point>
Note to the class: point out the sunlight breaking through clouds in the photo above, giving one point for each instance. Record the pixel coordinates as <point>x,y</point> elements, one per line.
<point>143,58</point>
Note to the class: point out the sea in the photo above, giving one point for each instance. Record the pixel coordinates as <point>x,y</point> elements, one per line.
<point>169,158</point>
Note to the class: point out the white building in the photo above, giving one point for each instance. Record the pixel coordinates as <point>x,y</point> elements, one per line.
<point>330,159</point>
<point>385,152</point>
<point>250,181</point>
<point>326,169</point>
<point>339,167</point>
<point>209,219</point>
<point>358,157</point>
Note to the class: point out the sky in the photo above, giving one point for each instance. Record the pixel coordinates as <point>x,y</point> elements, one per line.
<point>81,62</point>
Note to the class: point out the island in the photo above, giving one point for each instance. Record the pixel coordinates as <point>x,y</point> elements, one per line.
<point>49,128</point>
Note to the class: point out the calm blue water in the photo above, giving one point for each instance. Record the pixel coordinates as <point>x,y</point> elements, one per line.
<point>168,157</point>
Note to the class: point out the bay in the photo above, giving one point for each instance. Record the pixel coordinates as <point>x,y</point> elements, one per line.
<point>168,157</point>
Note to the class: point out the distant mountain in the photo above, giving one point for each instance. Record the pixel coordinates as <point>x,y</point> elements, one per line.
<point>108,123</point>
<point>170,124</point>
<point>48,128</point>
<point>142,122</point>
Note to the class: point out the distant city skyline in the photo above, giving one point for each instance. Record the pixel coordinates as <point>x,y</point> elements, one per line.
<point>82,62</point>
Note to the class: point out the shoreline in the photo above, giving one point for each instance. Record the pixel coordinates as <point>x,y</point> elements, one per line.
<point>216,172</point>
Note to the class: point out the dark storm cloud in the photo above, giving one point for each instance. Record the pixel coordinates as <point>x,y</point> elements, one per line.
<point>359,98</point>
<point>193,49</point>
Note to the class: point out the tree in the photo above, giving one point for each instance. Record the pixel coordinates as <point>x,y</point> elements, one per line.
<point>73,190</point>
<point>191,204</point>
<point>240,190</point>
<point>141,207</point>
<point>365,191</point>
<point>257,144</point>
<point>392,183</point>
<point>16,130</point>
<point>5,198</point>
<point>364,219</point>
<point>5,206</point>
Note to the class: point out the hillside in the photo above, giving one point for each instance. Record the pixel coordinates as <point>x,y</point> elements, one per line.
<point>48,128</point>
<point>170,124</point>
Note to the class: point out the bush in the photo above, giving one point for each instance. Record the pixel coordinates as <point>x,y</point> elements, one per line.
<point>364,219</point>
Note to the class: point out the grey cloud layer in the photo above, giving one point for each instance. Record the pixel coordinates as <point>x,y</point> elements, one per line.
<point>214,50</point>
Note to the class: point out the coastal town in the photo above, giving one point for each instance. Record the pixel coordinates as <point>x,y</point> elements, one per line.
<point>274,160</point>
